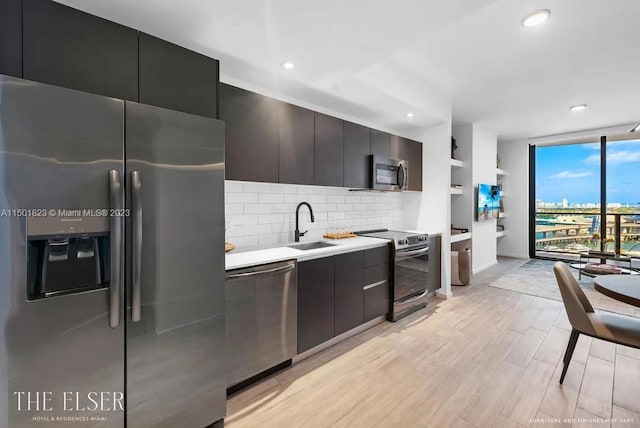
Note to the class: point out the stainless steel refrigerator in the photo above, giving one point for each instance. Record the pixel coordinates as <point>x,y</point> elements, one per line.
<point>111,262</point>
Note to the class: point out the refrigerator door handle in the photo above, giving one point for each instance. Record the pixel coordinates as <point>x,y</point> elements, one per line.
<point>115,192</point>
<point>136,257</point>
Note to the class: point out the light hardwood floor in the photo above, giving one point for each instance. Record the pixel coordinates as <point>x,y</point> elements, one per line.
<point>485,358</point>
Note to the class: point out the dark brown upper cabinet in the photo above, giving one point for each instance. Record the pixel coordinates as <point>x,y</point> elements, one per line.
<point>411,151</point>
<point>357,147</point>
<point>251,134</point>
<point>272,141</point>
<point>66,47</point>
<point>380,143</point>
<point>295,145</point>
<point>11,37</point>
<point>329,142</point>
<point>176,78</point>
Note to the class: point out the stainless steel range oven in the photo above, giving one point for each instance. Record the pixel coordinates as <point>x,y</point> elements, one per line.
<point>410,269</point>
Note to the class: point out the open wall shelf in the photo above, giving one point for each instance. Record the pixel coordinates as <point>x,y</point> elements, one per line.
<point>457,163</point>
<point>460,237</point>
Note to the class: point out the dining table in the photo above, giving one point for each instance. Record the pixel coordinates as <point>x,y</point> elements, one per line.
<point>624,288</point>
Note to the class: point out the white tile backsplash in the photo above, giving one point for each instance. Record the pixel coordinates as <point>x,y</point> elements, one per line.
<point>260,215</point>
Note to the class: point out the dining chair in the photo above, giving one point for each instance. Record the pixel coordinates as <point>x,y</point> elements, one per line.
<point>619,329</point>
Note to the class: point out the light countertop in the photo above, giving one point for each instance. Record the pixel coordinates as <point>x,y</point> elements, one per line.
<point>258,257</point>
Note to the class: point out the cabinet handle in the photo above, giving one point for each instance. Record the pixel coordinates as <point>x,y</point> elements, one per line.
<point>375,284</point>
<point>261,272</point>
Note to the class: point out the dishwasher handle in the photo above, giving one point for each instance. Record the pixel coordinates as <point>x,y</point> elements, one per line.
<point>281,269</point>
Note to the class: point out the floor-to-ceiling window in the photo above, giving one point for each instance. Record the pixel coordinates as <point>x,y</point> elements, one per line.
<point>623,195</point>
<point>567,199</point>
<point>587,197</point>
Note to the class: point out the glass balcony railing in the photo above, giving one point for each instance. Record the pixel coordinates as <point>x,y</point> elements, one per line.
<point>566,234</point>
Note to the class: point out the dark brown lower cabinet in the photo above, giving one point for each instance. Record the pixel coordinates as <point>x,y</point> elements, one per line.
<point>339,293</point>
<point>315,302</point>
<point>377,282</point>
<point>377,300</point>
<point>348,290</point>
<point>377,256</point>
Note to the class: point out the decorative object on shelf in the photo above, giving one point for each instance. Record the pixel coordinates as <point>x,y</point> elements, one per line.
<point>602,269</point>
<point>458,230</point>
<point>456,186</point>
<point>500,228</point>
<point>454,147</point>
<point>606,244</point>
<point>339,235</point>
<point>497,161</point>
<point>229,247</point>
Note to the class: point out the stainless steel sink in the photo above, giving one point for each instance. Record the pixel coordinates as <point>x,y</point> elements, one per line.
<point>311,245</point>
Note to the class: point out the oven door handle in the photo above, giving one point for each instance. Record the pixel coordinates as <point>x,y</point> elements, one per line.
<point>412,299</point>
<point>402,255</point>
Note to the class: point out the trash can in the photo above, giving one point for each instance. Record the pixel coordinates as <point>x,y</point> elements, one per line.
<point>460,267</point>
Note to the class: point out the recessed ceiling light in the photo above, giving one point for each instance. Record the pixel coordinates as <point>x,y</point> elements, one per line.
<point>288,65</point>
<point>578,107</point>
<point>536,17</point>
<point>409,115</point>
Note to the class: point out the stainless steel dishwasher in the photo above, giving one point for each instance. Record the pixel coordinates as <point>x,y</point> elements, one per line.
<point>261,318</point>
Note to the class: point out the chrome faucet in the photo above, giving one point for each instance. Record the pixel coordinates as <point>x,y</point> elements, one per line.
<point>298,233</point>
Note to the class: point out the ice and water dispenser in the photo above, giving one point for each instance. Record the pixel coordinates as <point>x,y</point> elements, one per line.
<point>66,255</point>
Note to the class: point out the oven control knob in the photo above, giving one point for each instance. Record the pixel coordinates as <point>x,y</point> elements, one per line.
<point>403,242</point>
<point>422,238</point>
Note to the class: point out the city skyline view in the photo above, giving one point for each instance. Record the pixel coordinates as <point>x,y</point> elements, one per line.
<point>568,176</point>
<point>566,204</point>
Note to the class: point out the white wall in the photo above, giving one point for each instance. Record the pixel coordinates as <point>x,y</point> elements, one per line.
<point>462,206</point>
<point>484,152</point>
<point>262,215</point>
<point>514,158</point>
<point>430,210</point>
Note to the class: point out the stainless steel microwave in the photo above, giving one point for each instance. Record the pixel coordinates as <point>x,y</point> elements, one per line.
<point>389,174</point>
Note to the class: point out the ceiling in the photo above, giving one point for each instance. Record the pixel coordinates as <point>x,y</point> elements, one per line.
<point>375,60</point>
